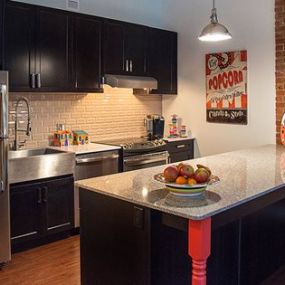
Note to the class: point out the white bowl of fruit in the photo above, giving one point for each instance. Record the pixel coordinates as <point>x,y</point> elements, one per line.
<point>183,179</point>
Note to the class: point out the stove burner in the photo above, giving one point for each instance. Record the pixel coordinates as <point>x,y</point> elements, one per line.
<point>137,146</point>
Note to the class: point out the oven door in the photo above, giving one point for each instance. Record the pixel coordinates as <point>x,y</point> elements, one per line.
<point>146,160</point>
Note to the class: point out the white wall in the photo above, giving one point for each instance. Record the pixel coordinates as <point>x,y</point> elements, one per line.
<point>252,26</point>
<point>138,11</point>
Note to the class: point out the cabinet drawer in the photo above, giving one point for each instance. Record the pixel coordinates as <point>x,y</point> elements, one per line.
<point>181,146</point>
<point>180,156</point>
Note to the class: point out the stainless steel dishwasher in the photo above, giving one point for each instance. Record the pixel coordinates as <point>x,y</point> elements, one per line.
<point>92,165</point>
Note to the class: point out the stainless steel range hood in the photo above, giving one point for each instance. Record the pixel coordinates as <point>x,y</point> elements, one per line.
<point>125,81</point>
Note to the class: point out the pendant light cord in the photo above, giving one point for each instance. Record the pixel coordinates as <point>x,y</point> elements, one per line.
<point>214,17</point>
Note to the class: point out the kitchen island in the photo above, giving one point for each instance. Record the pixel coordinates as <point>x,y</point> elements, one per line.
<point>135,232</point>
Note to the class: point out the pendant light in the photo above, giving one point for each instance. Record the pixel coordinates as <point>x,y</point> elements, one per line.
<point>214,32</point>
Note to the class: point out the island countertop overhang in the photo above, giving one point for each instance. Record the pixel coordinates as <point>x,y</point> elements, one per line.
<point>245,176</point>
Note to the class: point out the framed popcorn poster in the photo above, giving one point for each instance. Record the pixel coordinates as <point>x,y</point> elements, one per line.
<point>226,79</point>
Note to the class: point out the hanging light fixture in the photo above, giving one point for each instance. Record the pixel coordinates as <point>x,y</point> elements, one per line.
<point>214,32</point>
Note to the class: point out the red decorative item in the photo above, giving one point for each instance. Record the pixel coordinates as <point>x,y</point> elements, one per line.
<point>199,248</point>
<point>282,130</point>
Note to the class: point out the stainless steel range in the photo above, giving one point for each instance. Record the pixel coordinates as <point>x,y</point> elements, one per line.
<point>140,153</point>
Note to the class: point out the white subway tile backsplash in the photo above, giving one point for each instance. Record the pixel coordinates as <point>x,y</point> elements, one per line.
<point>116,113</point>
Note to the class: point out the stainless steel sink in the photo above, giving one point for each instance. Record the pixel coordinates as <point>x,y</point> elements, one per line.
<point>32,152</point>
<point>39,163</point>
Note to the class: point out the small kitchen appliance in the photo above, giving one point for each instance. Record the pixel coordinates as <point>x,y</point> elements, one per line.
<point>154,126</point>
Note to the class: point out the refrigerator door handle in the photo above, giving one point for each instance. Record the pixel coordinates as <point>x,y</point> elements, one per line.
<point>3,137</point>
<point>4,112</point>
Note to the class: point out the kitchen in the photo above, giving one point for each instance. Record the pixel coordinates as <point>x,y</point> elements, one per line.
<point>117,113</point>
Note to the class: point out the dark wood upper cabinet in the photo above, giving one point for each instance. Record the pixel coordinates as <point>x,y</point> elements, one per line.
<point>162,60</point>
<point>36,48</point>
<point>113,48</point>
<point>18,47</point>
<point>124,48</point>
<point>86,69</point>
<point>135,49</point>
<point>52,50</point>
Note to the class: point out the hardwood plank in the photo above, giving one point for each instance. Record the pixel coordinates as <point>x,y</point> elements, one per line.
<point>56,263</point>
<point>278,278</point>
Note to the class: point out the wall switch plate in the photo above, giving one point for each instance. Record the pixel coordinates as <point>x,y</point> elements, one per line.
<point>72,5</point>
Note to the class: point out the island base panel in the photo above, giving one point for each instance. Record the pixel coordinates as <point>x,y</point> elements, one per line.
<point>199,242</point>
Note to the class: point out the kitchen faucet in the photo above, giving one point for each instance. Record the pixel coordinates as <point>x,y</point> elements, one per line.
<point>16,145</point>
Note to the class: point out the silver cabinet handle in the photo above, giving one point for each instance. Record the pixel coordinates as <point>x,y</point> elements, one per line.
<point>38,80</point>
<point>131,66</point>
<point>144,162</point>
<point>127,65</point>
<point>96,159</point>
<point>181,146</point>
<point>33,80</point>
<point>45,198</point>
<point>147,159</point>
<point>39,195</point>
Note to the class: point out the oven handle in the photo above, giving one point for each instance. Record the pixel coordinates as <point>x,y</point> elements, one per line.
<point>96,159</point>
<point>144,160</point>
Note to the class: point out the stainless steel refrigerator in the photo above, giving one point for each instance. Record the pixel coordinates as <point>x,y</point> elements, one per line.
<point>5,248</point>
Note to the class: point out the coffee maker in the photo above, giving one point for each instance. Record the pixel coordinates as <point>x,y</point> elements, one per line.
<point>154,127</point>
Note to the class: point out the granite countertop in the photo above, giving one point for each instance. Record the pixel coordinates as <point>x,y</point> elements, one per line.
<point>245,175</point>
<point>87,148</point>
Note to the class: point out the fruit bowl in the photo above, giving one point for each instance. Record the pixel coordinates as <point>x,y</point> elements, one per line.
<point>186,189</point>
<point>184,180</point>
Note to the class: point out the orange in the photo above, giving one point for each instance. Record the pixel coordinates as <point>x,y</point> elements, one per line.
<point>181,180</point>
<point>192,181</point>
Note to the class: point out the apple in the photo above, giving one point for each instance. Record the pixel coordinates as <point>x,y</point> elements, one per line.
<point>201,175</point>
<point>186,170</point>
<point>170,173</point>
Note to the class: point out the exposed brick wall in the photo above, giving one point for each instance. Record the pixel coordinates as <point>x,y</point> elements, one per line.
<point>280,63</point>
<point>115,114</point>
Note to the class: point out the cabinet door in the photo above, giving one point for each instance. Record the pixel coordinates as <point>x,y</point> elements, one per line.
<point>113,48</point>
<point>19,45</point>
<point>2,10</point>
<point>25,211</point>
<point>162,60</point>
<point>52,54</point>
<point>58,196</point>
<point>87,53</point>
<point>114,234</point>
<point>135,49</point>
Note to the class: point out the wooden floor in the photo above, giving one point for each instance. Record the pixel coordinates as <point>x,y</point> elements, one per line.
<point>57,263</point>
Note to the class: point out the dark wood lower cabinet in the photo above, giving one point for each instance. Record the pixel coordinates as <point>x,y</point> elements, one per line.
<point>40,209</point>
<point>122,243</point>
<point>180,150</point>
<point>25,212</point>
<point>115,241</point>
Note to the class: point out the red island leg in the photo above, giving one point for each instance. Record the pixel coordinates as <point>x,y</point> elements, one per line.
<point>199,248</point>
